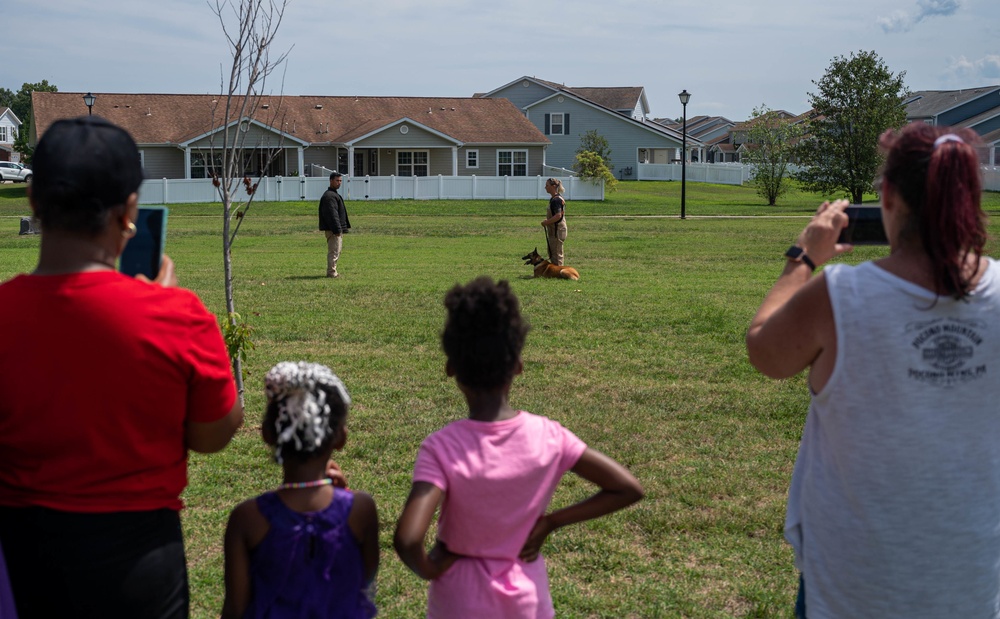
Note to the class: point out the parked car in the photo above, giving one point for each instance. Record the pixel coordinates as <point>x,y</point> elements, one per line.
<point>10,171</point>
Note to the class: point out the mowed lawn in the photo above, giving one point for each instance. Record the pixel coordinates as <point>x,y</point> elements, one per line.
<point>643,358</point>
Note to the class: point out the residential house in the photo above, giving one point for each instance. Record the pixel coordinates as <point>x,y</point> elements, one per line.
<point>292,135</point>
<point>619,114</point>
<point>975,108</point>
<point>729,147</point>
<point>708,130</point>
<point>10,124</point>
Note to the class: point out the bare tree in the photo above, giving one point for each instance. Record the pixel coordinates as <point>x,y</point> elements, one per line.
<point>249,27</point>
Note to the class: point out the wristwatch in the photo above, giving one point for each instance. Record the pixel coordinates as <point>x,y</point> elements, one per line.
<point>798,254</point>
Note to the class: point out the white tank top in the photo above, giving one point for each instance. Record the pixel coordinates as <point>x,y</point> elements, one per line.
<point>894,506</point>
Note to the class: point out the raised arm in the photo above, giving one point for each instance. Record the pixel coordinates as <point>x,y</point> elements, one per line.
<point>794,324</point>
<point>619,489</point>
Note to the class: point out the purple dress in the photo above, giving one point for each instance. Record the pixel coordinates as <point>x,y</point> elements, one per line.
<point>309,564</point>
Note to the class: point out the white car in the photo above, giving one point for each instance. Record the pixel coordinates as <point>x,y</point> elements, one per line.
<point>10,171</point>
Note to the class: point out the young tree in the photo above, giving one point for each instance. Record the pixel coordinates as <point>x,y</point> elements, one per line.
<point>590,166</point>
<point>858,99</point>
<point>771,143</point>
<point>594,142</point>
<point>249,27</point>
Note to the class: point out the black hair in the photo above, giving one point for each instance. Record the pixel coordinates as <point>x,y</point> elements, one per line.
<point>484,333</point>
<point>306,407</point>
<point>82,168</point>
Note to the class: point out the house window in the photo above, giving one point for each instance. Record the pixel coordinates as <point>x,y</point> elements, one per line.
<point>5,133</point>
<point>472,158</point>
<point>412,162</point>
<point>200,167</point>
<point>512,163</point>
<point>557,124</point>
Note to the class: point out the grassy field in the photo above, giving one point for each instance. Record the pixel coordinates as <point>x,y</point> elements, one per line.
<point>643,358</point>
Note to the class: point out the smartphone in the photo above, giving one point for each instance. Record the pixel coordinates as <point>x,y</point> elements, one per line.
<point>864,226</point>
<point>144,252</point>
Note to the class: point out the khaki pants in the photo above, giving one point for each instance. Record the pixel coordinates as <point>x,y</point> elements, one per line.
<point>555,237</point>
<point>334,243</point>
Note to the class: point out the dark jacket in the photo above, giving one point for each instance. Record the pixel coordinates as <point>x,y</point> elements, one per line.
<point>333,213</point>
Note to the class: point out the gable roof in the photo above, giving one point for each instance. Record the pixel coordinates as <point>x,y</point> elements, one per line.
<point>6,111</point>
<point>648,126</point>
<point>175,119</point>
<point>617,98</point>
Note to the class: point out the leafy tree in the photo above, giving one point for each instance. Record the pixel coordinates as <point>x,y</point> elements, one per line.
<point>590,166</point>
<point>249,27</point>
<point>20,104</point>
<point>857,100</point>
<point>594,142</point>
<point>771,142</point>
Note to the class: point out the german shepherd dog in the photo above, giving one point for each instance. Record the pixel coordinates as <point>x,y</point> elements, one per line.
<point>544,268</point>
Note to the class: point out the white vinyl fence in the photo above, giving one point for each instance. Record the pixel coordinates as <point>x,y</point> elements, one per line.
<point>720,173</point>
<point>991,178</point>
<point>294,188</point>
<point>739,173</point>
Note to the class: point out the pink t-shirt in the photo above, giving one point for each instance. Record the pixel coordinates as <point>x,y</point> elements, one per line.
<point>498,478</point>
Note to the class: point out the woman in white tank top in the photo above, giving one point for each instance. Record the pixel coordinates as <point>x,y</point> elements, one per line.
<point>894,505</point>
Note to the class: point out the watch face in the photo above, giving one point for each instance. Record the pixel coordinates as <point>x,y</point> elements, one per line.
<point>794,252</point>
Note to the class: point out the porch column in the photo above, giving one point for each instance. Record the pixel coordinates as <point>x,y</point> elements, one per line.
<point>187,162</point>
<point>301,160</point>
<point>350,160</point>
<point>454,161</point>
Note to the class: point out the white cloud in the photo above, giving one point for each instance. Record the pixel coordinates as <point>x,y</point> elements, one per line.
<point>904,21</point>
<point>986,68</point>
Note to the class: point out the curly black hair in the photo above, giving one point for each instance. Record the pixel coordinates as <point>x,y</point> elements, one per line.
<point>483,333</point>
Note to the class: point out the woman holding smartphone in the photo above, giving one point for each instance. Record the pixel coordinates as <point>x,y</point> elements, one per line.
<point>106,382</point>
<point>894,505</point>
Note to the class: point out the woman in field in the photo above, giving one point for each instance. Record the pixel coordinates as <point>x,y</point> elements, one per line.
<point>894,506</point>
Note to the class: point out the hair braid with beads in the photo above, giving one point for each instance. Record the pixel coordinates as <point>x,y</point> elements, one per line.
<point>307,404</point>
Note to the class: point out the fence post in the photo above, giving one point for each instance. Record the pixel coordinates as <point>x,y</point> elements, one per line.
<point>473,186</point>
<point>506,187</point>
<point>440,187</point>
<point>302,188</point>
<point>166,196</point>
<point>392,186</point>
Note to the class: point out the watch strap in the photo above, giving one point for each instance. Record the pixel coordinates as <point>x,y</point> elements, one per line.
<point>798,254</point>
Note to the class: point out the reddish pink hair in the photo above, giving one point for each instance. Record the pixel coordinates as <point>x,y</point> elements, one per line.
<point>940,182</point>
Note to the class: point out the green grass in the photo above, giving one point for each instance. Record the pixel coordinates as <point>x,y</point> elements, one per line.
<point>643,358</point>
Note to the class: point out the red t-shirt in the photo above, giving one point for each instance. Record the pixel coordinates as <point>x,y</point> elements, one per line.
<point>99,374</point>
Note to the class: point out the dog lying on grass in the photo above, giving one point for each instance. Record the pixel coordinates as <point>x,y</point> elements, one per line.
<point>544,268</point>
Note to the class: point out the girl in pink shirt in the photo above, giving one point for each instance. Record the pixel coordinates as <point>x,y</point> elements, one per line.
<point>494,474</point>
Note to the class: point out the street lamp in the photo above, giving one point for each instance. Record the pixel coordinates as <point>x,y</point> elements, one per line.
<point>684,96</point>
<point>88,100</point>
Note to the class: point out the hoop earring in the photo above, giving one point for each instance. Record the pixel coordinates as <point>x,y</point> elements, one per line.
<point>129,231</point>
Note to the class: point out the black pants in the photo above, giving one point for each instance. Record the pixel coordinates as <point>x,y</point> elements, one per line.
<point>122,564</point>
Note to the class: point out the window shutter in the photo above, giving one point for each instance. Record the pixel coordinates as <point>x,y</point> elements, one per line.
<point>566,123</point>
<point>547,118</point>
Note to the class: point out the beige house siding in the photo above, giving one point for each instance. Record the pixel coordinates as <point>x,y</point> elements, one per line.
<point>325,156</point>
<point>163,161</point>
<point>414,137</point>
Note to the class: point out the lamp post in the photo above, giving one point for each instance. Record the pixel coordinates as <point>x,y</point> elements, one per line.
<point>684,96</point>
<point>88,100</point>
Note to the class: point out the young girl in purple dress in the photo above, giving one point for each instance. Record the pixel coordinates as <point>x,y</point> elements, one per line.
<point>309,548</point>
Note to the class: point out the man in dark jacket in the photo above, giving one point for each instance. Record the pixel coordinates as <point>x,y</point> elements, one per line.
<point>333,220</point>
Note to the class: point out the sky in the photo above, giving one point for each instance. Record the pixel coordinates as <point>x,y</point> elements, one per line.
<point>732,56</point>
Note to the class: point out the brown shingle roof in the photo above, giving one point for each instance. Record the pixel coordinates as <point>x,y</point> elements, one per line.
<point>166,118</point>
<point>615,98</point>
